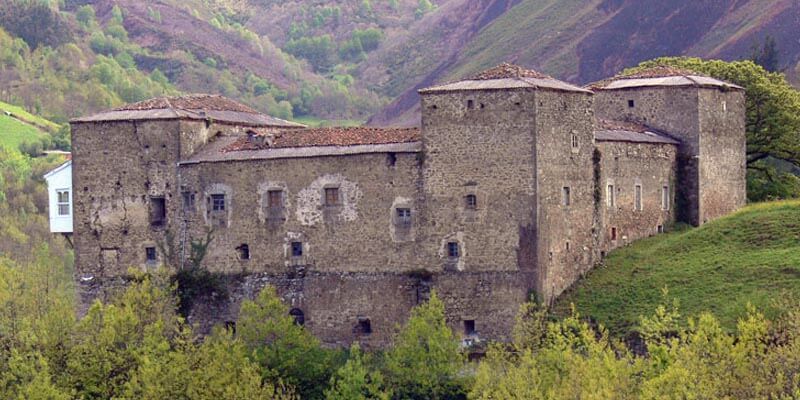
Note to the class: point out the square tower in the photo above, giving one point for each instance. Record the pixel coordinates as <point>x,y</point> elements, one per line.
<point>508,177</point>
<point>706,115</point>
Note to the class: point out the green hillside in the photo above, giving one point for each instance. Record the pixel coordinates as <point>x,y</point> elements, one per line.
<point>14,132</point>
<point>751,257</point>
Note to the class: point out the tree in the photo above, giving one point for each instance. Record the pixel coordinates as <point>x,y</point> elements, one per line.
<point>772,110</point>
<point>767,55</point>
<point>284,350</point>
<point>426,360</point>
<point>354,381</point>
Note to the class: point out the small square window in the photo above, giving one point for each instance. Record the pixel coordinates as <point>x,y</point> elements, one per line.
<point>150,254</point>
<point>297,249</point>
<point>217,202</point>
<point>158,211</point>
<point>364,326</point>
<point>471,201</point>
<point>469,327</point>
<point>244,252</point>
<point>332,196</point>
<point>453,250</point>
<point>404,216</point>
<point>565,196</point>
<point>631,104</point>
<point>275,199</point>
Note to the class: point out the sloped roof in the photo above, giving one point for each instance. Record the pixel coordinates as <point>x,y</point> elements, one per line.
<point>661,76</point>
<point>622,131</point>
<point>195,107</point>
<point>338,136</point>
<point>506,76</point>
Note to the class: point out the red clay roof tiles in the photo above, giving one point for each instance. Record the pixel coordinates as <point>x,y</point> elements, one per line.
<point>350,136</point>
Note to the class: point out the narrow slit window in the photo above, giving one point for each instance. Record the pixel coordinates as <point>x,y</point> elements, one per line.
<point>332,196</point>
<point>158,211</point>
<point>452,250</point>
<point>613,233</point>
<point>297,249</point>
<point>63,202</point>
<point>574,141</point>
<point>471,201</point>
<point>665,198</point>
<point>565,196</point>
<point>610,196</point>
<point>637,198</point>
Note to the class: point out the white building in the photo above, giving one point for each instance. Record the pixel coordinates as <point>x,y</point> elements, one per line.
<point>59,190</point>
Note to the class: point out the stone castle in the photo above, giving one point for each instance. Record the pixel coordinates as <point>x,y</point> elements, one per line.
<point>515,185</point>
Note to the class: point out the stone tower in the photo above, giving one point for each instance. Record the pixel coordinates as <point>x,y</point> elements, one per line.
<point>508,176</point>
<point>706,115</point>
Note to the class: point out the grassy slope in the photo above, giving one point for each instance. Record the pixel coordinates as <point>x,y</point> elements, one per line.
<point>23,115</point>
<point>13,132</point>
<point>752,256</point>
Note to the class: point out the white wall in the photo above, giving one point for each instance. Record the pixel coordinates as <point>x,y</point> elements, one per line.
<point>60,179</point>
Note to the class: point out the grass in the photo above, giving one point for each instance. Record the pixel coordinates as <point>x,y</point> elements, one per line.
<point>750,257</point>
<point>314,122</point>
<point>22,115</point>
<point>14,132</point>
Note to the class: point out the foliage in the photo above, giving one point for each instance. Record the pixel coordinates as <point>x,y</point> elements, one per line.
<point>767,55</point>
<point>284,350</point>
<point>355,381</point>
<point>425,360</point>
<point>772,110</point>
<point>35,22</point>
<point>752,256</point>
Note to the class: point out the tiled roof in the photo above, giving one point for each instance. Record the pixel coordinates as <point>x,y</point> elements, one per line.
<point>206,102</point>
<point>506,76</point>
<point>661,76</point>
<point>506,70</point>
<point>349,136</point>
<point>195,107</point>
<point>623,131</point>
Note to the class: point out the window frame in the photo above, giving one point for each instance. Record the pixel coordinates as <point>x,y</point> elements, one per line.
<point>332,196</point>
<point>61,205</point>
<point>273,196</point>
<point>566,196</point>
<point>403,216</point>
<point>453,250</point>
<point>218,202</point>
<point>611,196</point>
<point>665,198</point>
<point>471,201</point>
<point>638,197</point>
<point>148,251</point>
<point>297,249</point>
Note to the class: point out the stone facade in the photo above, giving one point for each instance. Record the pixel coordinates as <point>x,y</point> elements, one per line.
<point>515,185</point>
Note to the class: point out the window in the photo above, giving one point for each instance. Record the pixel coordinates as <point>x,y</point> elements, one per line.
<point>453,250</point>
<point>574,141</point>
<point>610,196</point>
<point>275,199</point>
<point>660,229</point>
<point>217,202</point>
<point>630,104</point>
<point>364,327</point>
<point>471,201</point>
<point>469,327</point>
<point>298,316</point>
<point>297,249</point>
<point>62,202</point>
<point>150,254</point>
<point>470,104</point>
<point>665,198</point>
<point>567,246</point>
<point>637,198</point>
<point>404,216</point>
<point>613,233</point>
<point>158,211</point>
<point>244,252</point>
<point>391,159</point>
<point>332,196</point>
<point>188,201</point>
<point>565,196</point>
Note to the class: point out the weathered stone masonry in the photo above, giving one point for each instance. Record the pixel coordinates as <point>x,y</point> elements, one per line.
<point>515,185</point>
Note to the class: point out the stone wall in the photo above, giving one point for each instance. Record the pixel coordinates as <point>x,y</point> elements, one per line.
<point>361,233</point>
<point>623,166</point>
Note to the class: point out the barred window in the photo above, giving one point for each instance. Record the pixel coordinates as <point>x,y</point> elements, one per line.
<point>332,196</point>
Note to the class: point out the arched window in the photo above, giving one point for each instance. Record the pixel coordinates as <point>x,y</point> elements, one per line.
<point>298,315</point>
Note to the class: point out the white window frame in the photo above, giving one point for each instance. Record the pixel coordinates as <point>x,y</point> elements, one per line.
<point>611,197</point>
<point>67,204</point>
<point>637,198</point>
<point>665,198</point>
